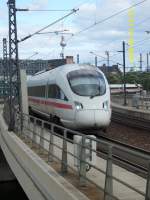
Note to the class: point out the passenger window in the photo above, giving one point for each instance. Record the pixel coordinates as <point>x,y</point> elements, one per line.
<point>37,91</point>
<point>55,92</point>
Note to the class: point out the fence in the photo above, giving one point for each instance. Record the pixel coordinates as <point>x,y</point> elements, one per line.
<point>45,136</point>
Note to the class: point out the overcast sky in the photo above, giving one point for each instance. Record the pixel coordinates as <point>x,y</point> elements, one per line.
<point>106,36</point>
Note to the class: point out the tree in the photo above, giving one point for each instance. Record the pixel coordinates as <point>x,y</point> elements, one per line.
<point>114,79</point>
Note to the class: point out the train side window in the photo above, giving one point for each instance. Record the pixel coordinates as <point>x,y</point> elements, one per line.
<point>55,92</point>
<point>40,90</point>
<point>37,91</point>
<point>52,91</point>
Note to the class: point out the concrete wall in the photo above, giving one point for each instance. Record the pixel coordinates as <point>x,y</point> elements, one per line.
<point>141,114</point>
<point>24,91</point>
<point>6,173</point>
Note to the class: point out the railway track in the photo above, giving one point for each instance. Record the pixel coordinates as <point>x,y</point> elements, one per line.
<point>130,121</point>
<point>121,158</point>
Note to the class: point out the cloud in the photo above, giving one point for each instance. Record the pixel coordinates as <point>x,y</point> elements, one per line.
<point>109,34</point>
<point>38,4</point>
<point>104,36</point>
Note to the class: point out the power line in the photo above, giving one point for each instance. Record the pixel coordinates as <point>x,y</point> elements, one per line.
<point>45,27</point>
<point>141,22</point>
<point>144,20</point>
<point>109,17</point>
<point>141,42</point>
<point>56,32</point>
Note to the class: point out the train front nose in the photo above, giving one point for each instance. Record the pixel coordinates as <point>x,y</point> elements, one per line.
<point>92,118</point>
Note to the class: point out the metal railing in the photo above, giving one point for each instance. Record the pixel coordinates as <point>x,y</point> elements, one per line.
<point>45,136</point>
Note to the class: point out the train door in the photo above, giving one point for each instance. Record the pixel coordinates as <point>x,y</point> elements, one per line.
<point>46,98</point>
<point>42,92</point>
<point>49,101</point>
<point>63,107</point>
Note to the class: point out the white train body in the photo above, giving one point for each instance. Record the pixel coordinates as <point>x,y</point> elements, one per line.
<point>77,95</point>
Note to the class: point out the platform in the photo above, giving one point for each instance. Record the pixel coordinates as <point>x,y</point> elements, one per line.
<point>142,112</point>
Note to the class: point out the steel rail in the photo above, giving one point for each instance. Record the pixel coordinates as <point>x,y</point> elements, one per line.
<point>130,121</point>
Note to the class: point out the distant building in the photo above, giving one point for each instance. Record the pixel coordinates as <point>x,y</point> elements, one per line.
<point>34,66</point>
<point>58,62</point>
<point>1,67</point>
<point>114,69</point>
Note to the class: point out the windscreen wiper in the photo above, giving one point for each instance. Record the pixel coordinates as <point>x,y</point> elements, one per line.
<point>95,95</point>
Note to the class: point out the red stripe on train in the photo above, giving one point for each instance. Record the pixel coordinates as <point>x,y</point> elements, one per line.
<point>51,103</point>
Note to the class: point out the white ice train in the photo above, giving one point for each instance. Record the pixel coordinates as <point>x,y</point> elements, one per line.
<point>78,96</point>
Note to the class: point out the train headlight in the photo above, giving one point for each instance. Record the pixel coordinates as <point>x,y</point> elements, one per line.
<point>78,105</point>
<point>105,105</point>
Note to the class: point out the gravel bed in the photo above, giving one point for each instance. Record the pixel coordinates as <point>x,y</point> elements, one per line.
<point>136,137</point>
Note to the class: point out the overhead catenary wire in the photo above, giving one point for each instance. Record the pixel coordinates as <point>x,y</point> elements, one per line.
<point>138,43</point>
<point>135,25</point>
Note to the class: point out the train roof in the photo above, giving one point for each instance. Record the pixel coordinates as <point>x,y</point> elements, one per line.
<point>40,78</point>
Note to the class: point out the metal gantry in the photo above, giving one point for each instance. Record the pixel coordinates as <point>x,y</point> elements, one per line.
<point>14,70</point>
<point>5,68</point>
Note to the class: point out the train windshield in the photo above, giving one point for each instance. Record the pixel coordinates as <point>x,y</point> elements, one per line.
<point>87,82</point>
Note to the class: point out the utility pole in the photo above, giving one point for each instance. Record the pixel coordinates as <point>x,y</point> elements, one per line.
<point>107,54</point>
<point>95,61</point>
<point>5,68</point>
<point>107,67</point>
<point>78,59</point>
<point>147,62</point>
<point>124,72</point>
<point>141,62</point>
<point>14,70</point>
